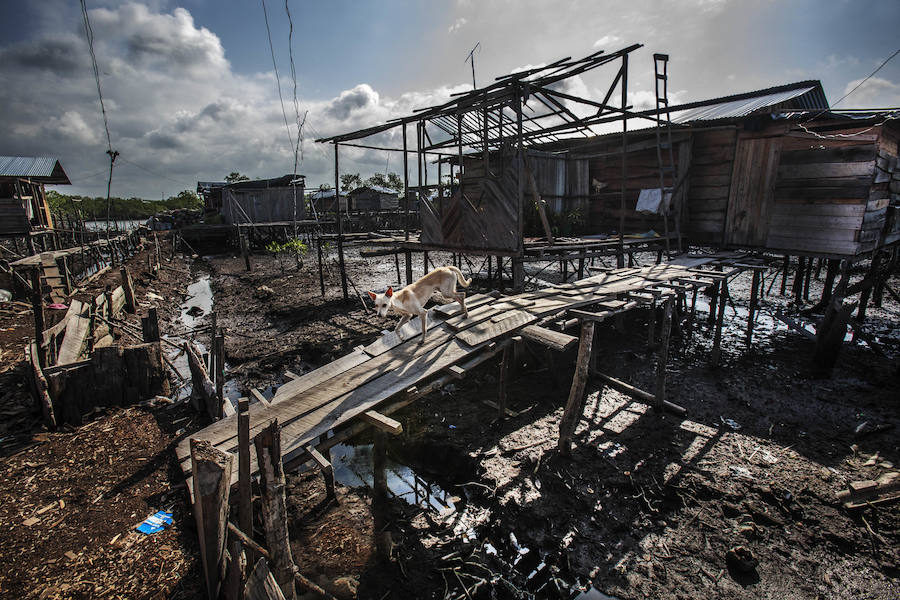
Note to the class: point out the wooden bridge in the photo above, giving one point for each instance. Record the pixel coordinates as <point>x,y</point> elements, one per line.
<point>330,404</point>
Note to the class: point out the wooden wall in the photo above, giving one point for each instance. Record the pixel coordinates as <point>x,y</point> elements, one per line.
<point>712,162</point>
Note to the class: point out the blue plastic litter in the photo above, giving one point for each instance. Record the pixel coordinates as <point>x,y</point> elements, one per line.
<point>155,522</point>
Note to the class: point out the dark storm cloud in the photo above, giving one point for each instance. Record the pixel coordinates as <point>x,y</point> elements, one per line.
<point>361,96</point>
<point>61,56</point>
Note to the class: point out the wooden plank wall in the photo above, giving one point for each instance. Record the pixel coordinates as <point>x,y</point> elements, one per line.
<point>605,182</point>
<point>822,194</point>
<point>712,162</point>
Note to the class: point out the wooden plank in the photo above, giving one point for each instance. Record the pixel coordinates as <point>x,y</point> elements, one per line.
<point>796,244</point>
<point>74,340</point>
<point>259,396</point>
<point>555,340</point>
<point>819,208</point>
<point>211,489</point>
<point>304,399</point>
<point>814,233</point>
<point>484,332</point>
<point>452,309</point>
<point>75,308</point>
<point>819,154</point>
<point>783,221</point>
<point>826,170</point>
<point>382,422</point>
<point>118,300</point>
<point>321,374</point>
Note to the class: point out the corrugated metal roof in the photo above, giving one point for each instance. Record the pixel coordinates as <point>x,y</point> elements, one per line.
<point>804,94</point>
<point>42,168</point>
<point>375,188</point>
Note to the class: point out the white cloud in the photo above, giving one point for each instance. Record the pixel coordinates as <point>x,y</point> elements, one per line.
<point>457,25</point>
<point>607,41</point>
<point>877,92</point>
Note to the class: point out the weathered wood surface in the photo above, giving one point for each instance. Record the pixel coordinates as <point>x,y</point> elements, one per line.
<point>74,339</point>
<point>345,390</point>
<point>211,488</point>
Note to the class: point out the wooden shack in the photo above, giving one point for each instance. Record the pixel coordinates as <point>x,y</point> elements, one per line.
<point>773,169</point>
<point>368,198</point>
<point>23,204</point>
<point>264,200</point>
<point>323,201</point>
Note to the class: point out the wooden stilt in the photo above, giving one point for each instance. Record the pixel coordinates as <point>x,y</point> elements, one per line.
<point>830,274</point>
<point>878,291</point>
<point>575,403</point>
<point>502,382</point>
<point>713,302</point>
<point>128,287</point>
<point>235,572</point>
<point>321,264</point>
<point>245,251</point>
<point>409,270</point>
<point>662,357</point>
<point>37,308</point>
<point>327,470</point>
<point>798,280</point>
<point>245,498</point>
<point>806,279</point>
<point>651,325</point>
<point>274,506</point>
<point>866,293</point>
<point>832,329</point>
<point>383,543</point>
<point>754,300</point>
<point>720,316</point>
<point>211,470</point>
<point>220,373</point>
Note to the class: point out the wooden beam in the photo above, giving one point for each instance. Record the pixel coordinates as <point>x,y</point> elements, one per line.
<point>575,403</point>
<point>382,422</point>
<point>212,485</point>
<point>259,397</point>
<point>245,494</point>
<point>274,505</point>
<point>327,470</point>
<point>555,340</point>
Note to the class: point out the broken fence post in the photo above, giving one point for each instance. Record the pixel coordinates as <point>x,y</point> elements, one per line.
<point>274,505</point>
<point>211,473</point>
<point>128,288</point>
<point>245,504</point>
<point>575,403</point>
<point>150,326</point>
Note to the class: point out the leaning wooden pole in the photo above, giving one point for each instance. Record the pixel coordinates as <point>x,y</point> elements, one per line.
<point>211,470</point>
<point>340,220</point>
<point>575,403</point>
<point>274,505</point>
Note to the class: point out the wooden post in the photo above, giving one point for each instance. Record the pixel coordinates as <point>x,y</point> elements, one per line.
<point>274,505</point>
<point>424,263</point>
<point>220,373</point>
<point>502,382</point>
<point>340,221</point>
<point>806,278</point>
<point>245,250</point>
<point>37,307</point>
<point>397,266</point>
<point>245,498</point>
<point>651,325</point>
<point>41,387</point>
<point>867,291</point>
<point>717,339</point>
<point>150,326</point>
<point>409,273</point>
<point>204,391</point>
<point>754,300</point>
<point>798,280</point>
<point>880,282</point>
<point>383,543</point>
<point>211,470</point>
<point>261,585</point>
<point>128,288</point>
<point>830,274</point>
<point>326,468</point>
<point>832,329</point>
<point>713,301</point>
<point>662,357</point>
<point>235,572</point>
<point>321,269</point>
<point>518,274</point>
<point>575,403</point>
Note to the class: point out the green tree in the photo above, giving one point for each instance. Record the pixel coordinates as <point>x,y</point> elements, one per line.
<point>350,181</point>
<point>234,176</point>
<point>391,180</point>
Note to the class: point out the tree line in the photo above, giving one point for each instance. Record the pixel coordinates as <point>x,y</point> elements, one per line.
<point>93,208</point>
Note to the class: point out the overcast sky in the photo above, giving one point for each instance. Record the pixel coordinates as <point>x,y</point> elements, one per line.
<point>191,93</point>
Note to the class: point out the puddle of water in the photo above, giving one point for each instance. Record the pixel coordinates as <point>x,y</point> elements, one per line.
<point>593,594</point>
<point>353,466</point>
<point>199,302</point>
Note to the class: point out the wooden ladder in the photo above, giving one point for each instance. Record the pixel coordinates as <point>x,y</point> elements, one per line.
<point>664,127</point>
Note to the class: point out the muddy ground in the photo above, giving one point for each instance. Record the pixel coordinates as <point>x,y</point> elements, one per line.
<point>648,505</point>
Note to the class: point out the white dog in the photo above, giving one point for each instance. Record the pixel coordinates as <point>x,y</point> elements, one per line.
<point>410,301</point>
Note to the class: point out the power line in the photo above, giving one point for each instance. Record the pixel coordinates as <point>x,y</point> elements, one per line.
<point>89,34</point>
<point>277,78</point>
<point>886,61</point>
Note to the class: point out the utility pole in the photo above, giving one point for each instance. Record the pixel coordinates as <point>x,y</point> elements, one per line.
<point>471,58</point>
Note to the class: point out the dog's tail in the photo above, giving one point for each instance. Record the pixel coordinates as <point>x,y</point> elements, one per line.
<point>459,276</point>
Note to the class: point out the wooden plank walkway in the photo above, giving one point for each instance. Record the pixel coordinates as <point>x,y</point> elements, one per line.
<point>340,392</point>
